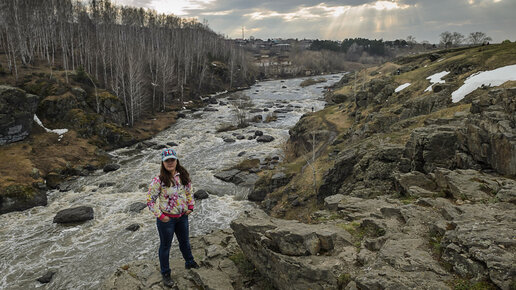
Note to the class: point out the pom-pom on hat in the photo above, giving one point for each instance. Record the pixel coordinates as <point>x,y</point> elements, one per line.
<point>168,153</point>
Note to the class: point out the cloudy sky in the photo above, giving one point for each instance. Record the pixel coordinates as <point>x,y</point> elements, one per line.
<point>332,19</point>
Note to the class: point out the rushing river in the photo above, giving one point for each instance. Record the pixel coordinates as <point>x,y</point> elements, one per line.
<point>84,255</point>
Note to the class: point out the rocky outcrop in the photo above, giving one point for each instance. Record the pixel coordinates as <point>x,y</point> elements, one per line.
<point>375,92</point>
<point>238,177</point>
<point>490,132</point>
<point>267,184</point>
<point>17,110</point>
<point>481,244</point>
<point>431,147</point>
<point>222,268</point>
<point>293,255</point>
<point>426,104</point>
<point>21,197</point>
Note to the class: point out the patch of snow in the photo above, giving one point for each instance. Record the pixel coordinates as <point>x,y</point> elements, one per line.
<point>59,132</point>
<point>436,79</point>
<point>441,59</point>
<point>493,78</point>
<point>426,65</point>
<point>400,88</point>
<point>218,93</point>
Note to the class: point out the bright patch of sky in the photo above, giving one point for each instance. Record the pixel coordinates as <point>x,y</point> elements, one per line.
<point>436,79</point>
<point>178,7</point>
<point>488,78</point>
<point>59,132</point>
<point>400,88</point>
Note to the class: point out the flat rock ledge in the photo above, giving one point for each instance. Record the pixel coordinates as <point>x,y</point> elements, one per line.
<point>355,243</point>
<point>215,252</point>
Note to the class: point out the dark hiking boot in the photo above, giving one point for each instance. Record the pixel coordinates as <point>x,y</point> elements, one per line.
<point>192,265</point>
<point>167,280</point>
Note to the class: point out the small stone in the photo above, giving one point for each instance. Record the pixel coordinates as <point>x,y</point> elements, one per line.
<point>241,153</point>
<point>172,144</point>
<point>137,207</point>
<point>201,194</point>
<point>111,167</point>
<point>133,227</point>
<point>47,277</point>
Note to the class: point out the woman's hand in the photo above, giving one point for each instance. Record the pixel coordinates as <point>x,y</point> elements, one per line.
<point>165,219</point>
<point>188,212</point>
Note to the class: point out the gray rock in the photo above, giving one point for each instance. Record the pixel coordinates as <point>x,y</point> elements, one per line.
<point>47,277</point>
<point>17,109</point>
<point>332,202</point>
<point>488,135</point>
<point>137,207</point>
<point>286,252</point>
<point>227,175</point>
<point>432,147</point>
<point>133,227</point>
<point>482,243</point>
<point>229,140</point>
<point>414,184</point>
<point>471,184</point>
<point>265,138</point>
<point>258,133</point>
<point>19,198</point>
<point>111,167</point>
<point>201,194</point>
<point>74,215</point>
<point>172,144</point>
<point>106,184</point>
<point>53,180</point>
<point>242,153</point>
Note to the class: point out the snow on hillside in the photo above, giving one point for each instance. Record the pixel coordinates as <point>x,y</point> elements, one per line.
<point>59,132</point>
<point>488,78</point>
<point>400,88</point>
<point>436,79</point>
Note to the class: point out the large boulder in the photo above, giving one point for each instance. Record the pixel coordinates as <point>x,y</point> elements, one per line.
<point>17,110</point>
<point>290,254</point>
<point>21,197</point>
<point>74,215</point>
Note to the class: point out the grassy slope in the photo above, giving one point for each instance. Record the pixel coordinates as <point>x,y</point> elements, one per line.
<point>478,58</point>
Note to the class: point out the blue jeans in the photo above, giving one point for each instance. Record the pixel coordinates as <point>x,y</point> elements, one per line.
<point>166,231</point>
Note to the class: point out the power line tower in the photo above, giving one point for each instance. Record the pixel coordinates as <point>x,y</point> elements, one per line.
<point>243,33</point>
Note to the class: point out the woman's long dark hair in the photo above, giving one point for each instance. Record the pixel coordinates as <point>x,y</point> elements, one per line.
<point>166,177</point>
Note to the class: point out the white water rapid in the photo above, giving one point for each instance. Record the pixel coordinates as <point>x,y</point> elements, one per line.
<point>84,255</point>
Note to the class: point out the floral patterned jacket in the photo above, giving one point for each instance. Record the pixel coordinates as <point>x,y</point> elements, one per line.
<point>171,201</point>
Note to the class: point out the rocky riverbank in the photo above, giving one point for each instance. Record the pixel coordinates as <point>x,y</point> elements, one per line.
<point>78,124</point>
<point>403,188</point>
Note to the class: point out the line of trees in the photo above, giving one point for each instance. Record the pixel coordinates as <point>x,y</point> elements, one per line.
<point>351,45</point>
<point>449,39</point>
<point>144,58</point>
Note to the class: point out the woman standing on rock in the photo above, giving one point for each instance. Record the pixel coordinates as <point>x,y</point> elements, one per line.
<point>170,199</point>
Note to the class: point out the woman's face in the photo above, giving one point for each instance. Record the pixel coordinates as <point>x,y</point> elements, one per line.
<point>170,164</point>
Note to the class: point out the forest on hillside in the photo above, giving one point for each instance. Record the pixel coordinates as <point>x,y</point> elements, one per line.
<point>145,59</point>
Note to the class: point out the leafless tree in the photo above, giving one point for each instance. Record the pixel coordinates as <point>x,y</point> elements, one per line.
<point>478,38</point>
